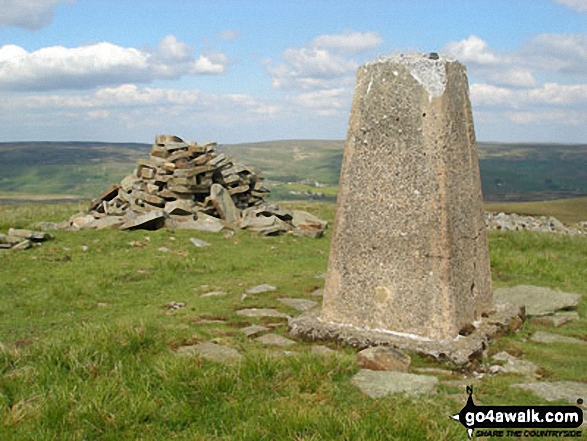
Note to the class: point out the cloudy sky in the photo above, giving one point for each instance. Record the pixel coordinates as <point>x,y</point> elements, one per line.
<point>251,70</point>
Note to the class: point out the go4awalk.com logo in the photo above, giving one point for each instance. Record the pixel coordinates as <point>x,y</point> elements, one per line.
<point>520,421</point>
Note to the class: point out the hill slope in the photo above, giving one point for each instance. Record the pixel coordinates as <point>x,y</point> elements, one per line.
<point>520,172</point>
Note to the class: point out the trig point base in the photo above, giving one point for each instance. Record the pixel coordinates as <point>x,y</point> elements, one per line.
<point>409,255</point>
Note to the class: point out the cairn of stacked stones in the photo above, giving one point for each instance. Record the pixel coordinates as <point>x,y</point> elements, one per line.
<point>189,186</point>
<point>541,224</point>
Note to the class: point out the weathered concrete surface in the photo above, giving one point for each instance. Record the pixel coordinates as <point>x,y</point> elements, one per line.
<point>538,300</point>
<point>459,351</point>
<point>409,248</point>
<point>380,383</point>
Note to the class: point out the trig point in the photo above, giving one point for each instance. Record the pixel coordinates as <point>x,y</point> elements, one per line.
<point>409,256</point>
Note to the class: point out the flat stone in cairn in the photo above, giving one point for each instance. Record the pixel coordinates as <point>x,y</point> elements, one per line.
<point>261,312</point>
<point>224,204</point>
<point>299,304</point>
<point>275,340</point>
<point>547,337</point>
<point>409,251</point>
<point>538,300</point>
<point>380,383</point>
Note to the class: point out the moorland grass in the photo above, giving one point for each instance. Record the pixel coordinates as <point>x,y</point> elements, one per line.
<point>89,347</point>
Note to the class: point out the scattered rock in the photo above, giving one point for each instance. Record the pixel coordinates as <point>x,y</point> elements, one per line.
<point>261,289</point>
<point>380,383</point>
<point>541,224</point>
<point>261,312</point>
<point>299,304</point>
<point>174,305</point>
<point>24,245</point>
<point>253,330</point>
<point>382,358</point>
<point>163,249</point>
<point>199,242</point>
<point>569,391</point>
<point>152,220</point>
<point>538,300</point>
<point>211,351</point>
<point>35,236</point>
<point>318,292</point>
<point>557,319</point>
<point>514,365</point>
<point>275,340</point>
<point>214,294</point>
<point>547,337</point>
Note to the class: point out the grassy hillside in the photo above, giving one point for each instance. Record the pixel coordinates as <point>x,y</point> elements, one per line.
<point>88,350</point>
<point>296,169</point>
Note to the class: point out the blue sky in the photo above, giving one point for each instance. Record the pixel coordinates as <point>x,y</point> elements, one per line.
<point>251,70</point>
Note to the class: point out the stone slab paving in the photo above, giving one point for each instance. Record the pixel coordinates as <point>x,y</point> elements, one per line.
<point>254,330</point>
<point>261,289</point>
<point>380,383</point>
<point>275,340</point>
<point>538,300</point>
<point>299,304</point>
<point>261,312</point>
<point>211,351</point>
<point>381,358</point>
<point>322,350</point>
<point>318,292</point>
<point>547,337</point>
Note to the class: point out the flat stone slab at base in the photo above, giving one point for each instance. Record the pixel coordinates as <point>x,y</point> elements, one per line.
<point>547,337</point>
<point>261,289</point>
<point>211,351</point>
<point>380,383</point>
<point>459,351</point>
<point>538,300</point>
<point>254,330</point>
<point>514,365</point>
<point>557,319</point>
<point>382,358</point>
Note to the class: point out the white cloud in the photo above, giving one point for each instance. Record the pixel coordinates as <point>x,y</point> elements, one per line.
<point>28,14</point>
<point>229,34</point>
<point>575,5</point>
<point>548,94</point>
<point>85,67</point>
<point>329,98</point>
<point>348,43</point>
<point>515,77</point>
<point>472,50</point>
<point>565,53</point>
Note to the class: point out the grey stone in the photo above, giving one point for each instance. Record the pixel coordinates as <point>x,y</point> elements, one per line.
<point>163,249</point>
<point>253,330</point>
<point>261,312</point>
<point>211,351</point>
<point>152,220</point>
<point>569,391</point>
<point>514,365</point>
<point>199,242</point>
<point>224,204</point>
<point>214,294</point>
<point>557,319</point>
<point>318,292</point>
<point>275,340</point>
<point>265,225</point>
<point>538,300</point>
<point>106,222</point>
<point>24,245</point>
<point>303,218</point>
<point>377,384</point>
<point>261,289</point>
<point>547,337</point>
<point>299,304</point>
<point>35,236</point>
<point>409,247</point>
<point>179,207</point>
<point>381,358</point>
<point>203,223</point>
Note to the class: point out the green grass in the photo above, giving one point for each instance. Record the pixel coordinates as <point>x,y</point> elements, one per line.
<point>89,345</point>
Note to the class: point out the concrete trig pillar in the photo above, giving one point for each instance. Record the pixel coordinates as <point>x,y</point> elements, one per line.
<point>409,249</point>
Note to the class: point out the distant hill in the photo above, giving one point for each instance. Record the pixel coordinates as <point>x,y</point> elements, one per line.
<point>295,168</point>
